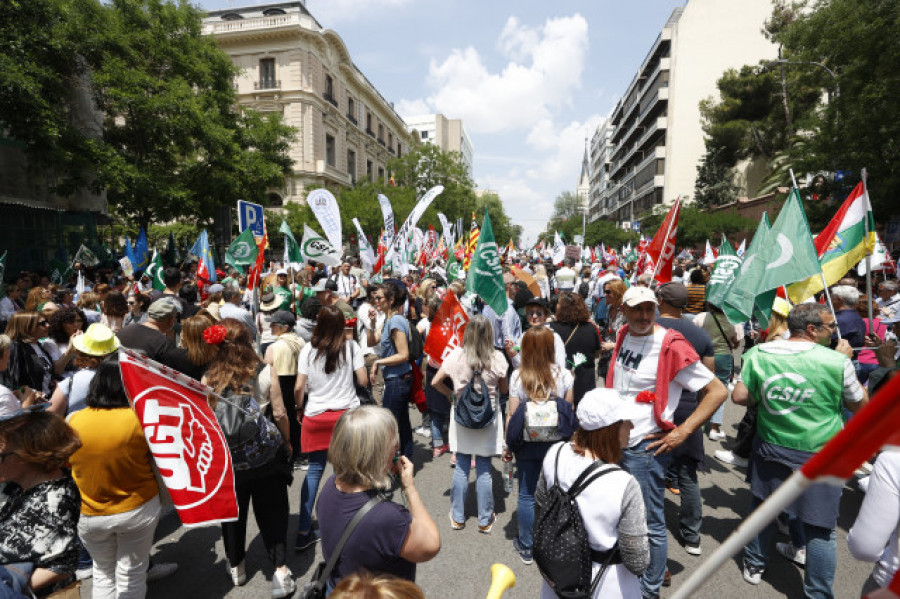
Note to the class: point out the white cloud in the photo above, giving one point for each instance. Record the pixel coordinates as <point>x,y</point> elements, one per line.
<point>544,67</point>
<point>409,108</point>
<point>563,148</point>
<point>331,12</point>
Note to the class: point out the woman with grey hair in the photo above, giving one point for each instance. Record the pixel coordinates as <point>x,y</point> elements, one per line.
<point>475,359</point>
<point>365,453</point>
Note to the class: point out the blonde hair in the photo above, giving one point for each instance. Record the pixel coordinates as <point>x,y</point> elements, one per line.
<point>5,343</point>
<point>22,325</point>
<point>360,446</point>
<point>538,358</point>
<point>365,585</point>
<point>478,343</point>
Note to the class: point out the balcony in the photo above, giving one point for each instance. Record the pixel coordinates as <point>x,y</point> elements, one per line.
<point>353,119</point>
<point>269,22</point>
<point>392,151</point>
<point>331,99</point>
<point>266,84</point>
<point>370,133</point>
<point>381,141</point>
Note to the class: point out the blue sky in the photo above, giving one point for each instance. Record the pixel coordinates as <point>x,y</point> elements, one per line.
<point>530,80</point>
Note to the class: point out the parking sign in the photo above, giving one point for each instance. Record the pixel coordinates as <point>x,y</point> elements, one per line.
<point>251,216</point>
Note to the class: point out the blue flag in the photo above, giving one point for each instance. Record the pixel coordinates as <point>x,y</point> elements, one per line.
<point>141,251</point>
<point>202,250</point>
<point>129,252</point>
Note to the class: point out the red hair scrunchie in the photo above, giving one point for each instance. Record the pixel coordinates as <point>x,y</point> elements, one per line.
<point>214,334</point>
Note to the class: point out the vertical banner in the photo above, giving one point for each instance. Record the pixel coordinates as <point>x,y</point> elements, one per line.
<point>387,212</point>
<point>413,218</point>
<point>366,255</point>
<point>184,437</point>
<point>447,328</point>
<point>325,207</point>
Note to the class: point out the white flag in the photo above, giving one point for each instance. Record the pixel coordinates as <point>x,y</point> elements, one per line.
<point>559,248</point>
<point>318,249</point>
<point>708,256</point>
<point>446,230</point>
<point>742,249</point>
<point>413,218</point>
<point>878,259</point>
<point>366,255</point>
<point>387,212</point>
<point>325,207</point>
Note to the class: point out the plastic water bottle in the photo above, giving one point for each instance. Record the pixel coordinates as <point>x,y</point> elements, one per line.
<point>508,472</point>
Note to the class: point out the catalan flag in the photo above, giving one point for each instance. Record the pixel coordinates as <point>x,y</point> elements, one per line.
<point>473,243</point>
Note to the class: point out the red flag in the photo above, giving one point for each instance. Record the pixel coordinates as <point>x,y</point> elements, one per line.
<point>662,248</point>
<point>184,437</point>
<point>256,269</point>
<point>447,328</point>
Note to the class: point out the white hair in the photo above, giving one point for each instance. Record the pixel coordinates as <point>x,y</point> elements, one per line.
<point>848,294</point>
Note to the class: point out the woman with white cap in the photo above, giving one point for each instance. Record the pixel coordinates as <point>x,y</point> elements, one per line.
<point>612,509</point>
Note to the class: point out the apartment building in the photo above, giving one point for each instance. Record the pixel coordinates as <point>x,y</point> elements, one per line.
<point>655,138</point>
<point>346,130</point>
<point>599,163</point>
<point>447,134</point>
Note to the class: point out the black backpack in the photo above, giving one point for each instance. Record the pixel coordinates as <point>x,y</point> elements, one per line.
<point>473,406</point>
<point>416,343</point>
<point>583,289</point>
<point>561,548</point>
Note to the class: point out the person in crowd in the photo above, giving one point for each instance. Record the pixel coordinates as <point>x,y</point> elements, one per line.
<point>696,292</point>
<point>393,339</point>
<point>36,297</point>
<point>328,369</point>
<point>308,313</point>
<point>369,317</point>
<point>581,340</point>
<point>38,522</point>
<point>539,379</point>
<point>31,364</point>
<point>689,456</point>
<point>875,334</point>
<point>282,292</point>
<point>189,297</point>
<point>268,305</point>
<point>391,539</point>
<point>282,356</point>
<point>62,329</point>
<point>612,508</point>
<point>200,354</point>
<point>537,310</point>
<point>231,308</point>
<point>363,584</point>
<point>89,303</point>
<point>724,336</point>
<point>9,305</point>
<point>102,290</point>
<point>348,285</point>
<point>475,359</point>
<point>566,276</point>
<point>138,304</point>
<point>154,337</point>
<point>438,403</point>
<point>850,324</point>
<point>888,300</point>
<point>91,348</point>
<point>120,504</point>
<point>115,307</point>
<point>213,300</point>
<point>540,276</point>
<point>262,474</point>
<point>12,400</point>
<point>613,291</point>
<point>651,366</point>
<point>48,309</point>
<point>790,432</point>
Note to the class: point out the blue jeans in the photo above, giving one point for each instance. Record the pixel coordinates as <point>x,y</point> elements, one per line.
<point>724,368</point>
<point>684,471</point>
<point>650,472</point>
<point>396,399</point>
<point>438,426</point>
<point>483,488</point>
<point>821,556</point>
<point>528,472</point>
<point>311,488</point>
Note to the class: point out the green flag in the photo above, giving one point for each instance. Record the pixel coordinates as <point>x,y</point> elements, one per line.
<point>242,251</point>
<point>485,276</point>
<point>59,272</point>
<point>790,254</point>
<point>453,268</point>
<point>727,265</point>
<point>740,297</point>
<point>292,253</point>
<point>155,271</point>
<point>86,256</point>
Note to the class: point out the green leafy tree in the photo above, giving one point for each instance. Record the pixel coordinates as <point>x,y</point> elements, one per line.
<point>696,225</point>
<point>715,181</point>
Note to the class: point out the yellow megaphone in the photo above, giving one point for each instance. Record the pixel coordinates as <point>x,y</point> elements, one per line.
<point>502,578</point>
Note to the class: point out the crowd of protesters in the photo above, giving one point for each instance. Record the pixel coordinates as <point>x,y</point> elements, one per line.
<point>634,373</point>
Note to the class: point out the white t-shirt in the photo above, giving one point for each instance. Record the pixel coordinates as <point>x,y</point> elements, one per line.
<point>565,278</point>
<point>874,534</point>
<point>363,314</point>
<point>346,285</point>
<point>335,391</point>
<point>635,371</point>
<point>9,403</point>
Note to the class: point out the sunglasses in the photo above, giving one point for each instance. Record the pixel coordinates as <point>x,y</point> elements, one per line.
<point>535,314</point>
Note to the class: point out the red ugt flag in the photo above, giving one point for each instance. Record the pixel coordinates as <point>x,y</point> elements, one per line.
<point>447,329</point>
<point>662,248</point>
<point>184,438</point>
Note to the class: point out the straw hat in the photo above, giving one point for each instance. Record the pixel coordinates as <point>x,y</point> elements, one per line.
<point>98,340</point>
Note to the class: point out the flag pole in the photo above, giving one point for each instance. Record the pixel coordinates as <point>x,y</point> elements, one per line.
<point>821,274</point>
<point>665,239</point>
<point>868,259</point>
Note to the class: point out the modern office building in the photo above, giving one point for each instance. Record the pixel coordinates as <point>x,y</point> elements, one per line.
<point>346,130</point>
<point>447,134</point>
<point>656,139</point>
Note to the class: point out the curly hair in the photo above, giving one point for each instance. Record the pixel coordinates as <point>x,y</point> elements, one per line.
<point>571,309</point>
<point>236,362</point>
<point>115,304</point>
<point>64,316</point>
<point>42,439</point>
<point>199,351</point>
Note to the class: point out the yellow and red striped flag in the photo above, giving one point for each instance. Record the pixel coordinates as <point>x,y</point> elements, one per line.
<point>473,243</point>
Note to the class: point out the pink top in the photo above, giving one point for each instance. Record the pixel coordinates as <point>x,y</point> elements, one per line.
<point>867,356</point>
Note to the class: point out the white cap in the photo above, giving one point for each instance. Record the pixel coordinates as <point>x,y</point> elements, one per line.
<point>601,407</point>
<point>638,295</point>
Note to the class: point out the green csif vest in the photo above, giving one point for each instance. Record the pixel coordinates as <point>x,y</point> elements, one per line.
<point>799,396</point>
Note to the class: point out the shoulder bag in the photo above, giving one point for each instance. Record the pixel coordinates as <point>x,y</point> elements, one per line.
<point>315,588</point>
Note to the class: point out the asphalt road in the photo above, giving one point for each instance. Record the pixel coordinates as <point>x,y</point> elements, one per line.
<point>462,569</point>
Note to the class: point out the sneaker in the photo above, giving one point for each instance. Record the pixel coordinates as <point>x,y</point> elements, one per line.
<point>752,574</point>
<point>304,462</point>
<point>423,432</point>
<point>693,549</point>
<point>306,540</point>
<point>440,450</point>
<point>453,460</point>
<point>238,575</point>
<point>487,528</point>
<point>456,525</point>
<point>283,584</point>
<point>84,573</point>
<point>525,554</point>
<point>715,435</point>
<point>667,579</point>
<point>798,556</point>
<point>160,570</point>
<point>727,456</point>
<point>672,488</point>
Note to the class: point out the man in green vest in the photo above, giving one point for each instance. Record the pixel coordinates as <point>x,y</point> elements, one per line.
<point>801,387</point>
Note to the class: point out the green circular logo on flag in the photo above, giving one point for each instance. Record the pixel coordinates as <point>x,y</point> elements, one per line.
<point>316,247</point>
<point>242,249</point>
